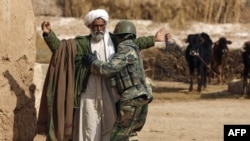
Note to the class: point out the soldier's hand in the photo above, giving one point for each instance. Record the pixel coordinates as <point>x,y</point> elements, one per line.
<point>45,27</point>
<point>89,58</point>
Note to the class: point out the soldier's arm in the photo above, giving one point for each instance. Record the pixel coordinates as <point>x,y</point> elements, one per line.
<point>120,60</point>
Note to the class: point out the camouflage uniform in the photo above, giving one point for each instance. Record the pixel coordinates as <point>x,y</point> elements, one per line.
<point>126,73</point>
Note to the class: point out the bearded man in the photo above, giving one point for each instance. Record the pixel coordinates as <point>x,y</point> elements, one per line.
<point>89,96</point>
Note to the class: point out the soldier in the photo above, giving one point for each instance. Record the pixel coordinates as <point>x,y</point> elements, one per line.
<point>126,73</point>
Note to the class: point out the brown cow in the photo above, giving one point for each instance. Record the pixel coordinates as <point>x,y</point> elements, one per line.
<point>220,56</point>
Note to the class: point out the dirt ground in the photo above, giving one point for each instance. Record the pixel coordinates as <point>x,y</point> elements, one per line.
<point>176,115</point>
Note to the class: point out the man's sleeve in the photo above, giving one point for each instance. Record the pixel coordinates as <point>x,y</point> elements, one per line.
<point>52,41</point>
<point>144,42</point>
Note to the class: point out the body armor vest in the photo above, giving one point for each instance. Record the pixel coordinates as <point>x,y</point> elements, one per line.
<point>130,82</point>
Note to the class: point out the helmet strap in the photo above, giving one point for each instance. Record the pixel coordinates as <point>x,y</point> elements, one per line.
<point>129,36</point>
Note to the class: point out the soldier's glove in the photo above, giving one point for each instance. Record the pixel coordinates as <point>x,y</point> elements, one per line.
<point>89,58</point>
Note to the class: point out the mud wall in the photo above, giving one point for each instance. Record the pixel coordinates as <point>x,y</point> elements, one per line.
<point>17,57</point>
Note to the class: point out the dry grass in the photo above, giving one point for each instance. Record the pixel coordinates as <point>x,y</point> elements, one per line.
<point>208,11</point>
<point>178,12</point>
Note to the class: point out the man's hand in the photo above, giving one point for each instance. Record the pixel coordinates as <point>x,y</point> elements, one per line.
<point>45,27</point>
<point>162,36</point>
<point>89,58</point>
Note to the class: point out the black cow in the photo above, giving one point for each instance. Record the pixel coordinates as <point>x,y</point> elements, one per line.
<point>220,57</point>
<point>198,54</point>
<point>246,72</point>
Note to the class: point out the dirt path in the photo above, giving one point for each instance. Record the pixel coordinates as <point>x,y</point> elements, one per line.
<point>175,115</point>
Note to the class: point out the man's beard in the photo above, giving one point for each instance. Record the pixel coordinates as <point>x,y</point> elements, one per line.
<point>97,35</point>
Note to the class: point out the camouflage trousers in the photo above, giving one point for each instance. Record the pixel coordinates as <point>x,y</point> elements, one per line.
<point>131,118</point>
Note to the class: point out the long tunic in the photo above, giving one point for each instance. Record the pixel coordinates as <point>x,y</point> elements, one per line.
<point>93,125</point>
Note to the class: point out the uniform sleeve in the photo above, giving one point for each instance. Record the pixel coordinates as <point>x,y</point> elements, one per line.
<point>144,42</point>
<point>121,59</point>
<point>52,41</point>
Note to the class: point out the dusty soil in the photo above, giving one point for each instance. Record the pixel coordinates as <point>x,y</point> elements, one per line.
<point>176,115</point>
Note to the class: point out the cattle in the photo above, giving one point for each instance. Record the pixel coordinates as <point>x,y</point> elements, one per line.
<point>198,55</point>
<point>246,71</point>
<point>220,57</point>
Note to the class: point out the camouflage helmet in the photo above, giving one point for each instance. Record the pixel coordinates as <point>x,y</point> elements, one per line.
<point>125,27</point>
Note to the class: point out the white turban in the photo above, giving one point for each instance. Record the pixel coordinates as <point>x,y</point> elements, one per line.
<point>94,14</point>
